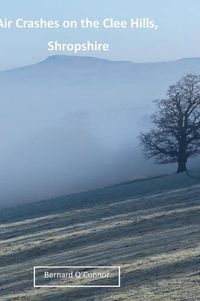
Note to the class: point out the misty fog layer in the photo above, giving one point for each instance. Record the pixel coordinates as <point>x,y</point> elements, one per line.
<point>70,124</point>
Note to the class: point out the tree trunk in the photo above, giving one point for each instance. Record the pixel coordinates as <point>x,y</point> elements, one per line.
<point>182,165</point>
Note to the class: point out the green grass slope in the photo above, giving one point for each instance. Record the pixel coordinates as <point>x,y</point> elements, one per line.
<point>104,195</point>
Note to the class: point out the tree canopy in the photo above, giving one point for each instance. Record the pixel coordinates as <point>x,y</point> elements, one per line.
<point>175,135</point>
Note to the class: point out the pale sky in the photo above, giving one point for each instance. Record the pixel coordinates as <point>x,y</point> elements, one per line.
<point>177,37</point>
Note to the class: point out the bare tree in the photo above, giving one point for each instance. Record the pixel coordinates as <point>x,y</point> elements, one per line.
<point>176,133</point>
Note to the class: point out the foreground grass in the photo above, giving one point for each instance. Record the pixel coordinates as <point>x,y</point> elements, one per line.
<point>154,237</point>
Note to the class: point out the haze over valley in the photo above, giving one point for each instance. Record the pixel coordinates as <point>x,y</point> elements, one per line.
<point>70,124</point>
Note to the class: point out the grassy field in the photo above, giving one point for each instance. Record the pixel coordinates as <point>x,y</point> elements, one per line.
<point>151,228</point>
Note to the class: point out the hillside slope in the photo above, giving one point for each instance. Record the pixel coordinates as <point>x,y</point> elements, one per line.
<point>153,235</point>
